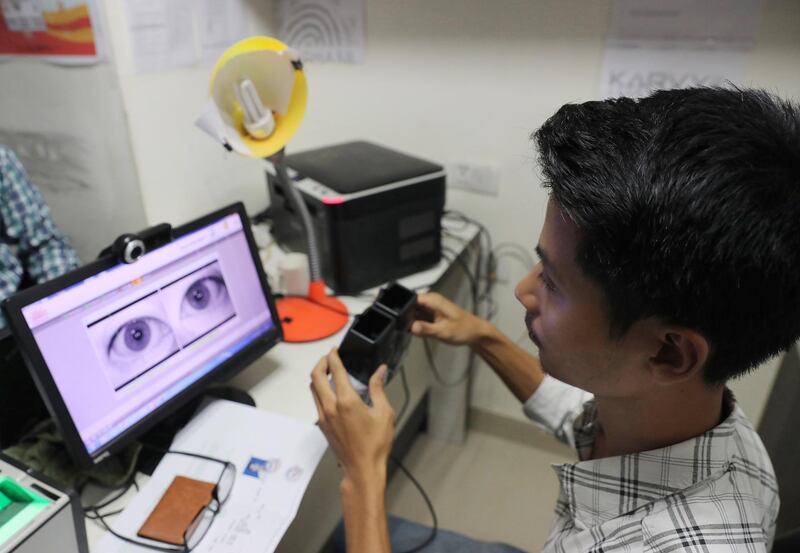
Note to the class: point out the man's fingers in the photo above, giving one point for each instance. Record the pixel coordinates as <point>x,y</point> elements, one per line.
<point>430,300</point>
<point>436,303</point>
<point>376,391</point>
<point>321,386</point>
<point>318,404</point>
<point>339,373</point>
<point>421,328</point>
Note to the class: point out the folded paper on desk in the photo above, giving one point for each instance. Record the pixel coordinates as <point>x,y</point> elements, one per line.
<point>275,457</point>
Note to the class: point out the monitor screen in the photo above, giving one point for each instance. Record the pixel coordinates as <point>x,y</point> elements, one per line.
<point>120,344</point>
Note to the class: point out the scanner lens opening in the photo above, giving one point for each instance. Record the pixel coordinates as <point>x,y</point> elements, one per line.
<point>372,324</point>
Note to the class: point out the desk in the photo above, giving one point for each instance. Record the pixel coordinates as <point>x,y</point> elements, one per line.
<point>279,380</point>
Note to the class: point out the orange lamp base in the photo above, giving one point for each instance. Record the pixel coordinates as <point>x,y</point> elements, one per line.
<point>312,317</point>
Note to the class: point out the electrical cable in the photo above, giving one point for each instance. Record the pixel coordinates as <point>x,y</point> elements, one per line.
<point>519,248</point>
<point>487,265</point>
<point>404,470</point>
<point>92,511</point>
<point>399,416</point>
<point>437,375</point>
<point>472,280</point>
<point>515,256</point>
<point>424,286</point>
<point>456,257</point>
<point>329,308</point>
<point>126,539</point>
<point>435,526</point>
<point>315,302</point>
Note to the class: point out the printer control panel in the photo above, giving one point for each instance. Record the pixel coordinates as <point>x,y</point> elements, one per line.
<point>328,195</point>
<point>319,191</point>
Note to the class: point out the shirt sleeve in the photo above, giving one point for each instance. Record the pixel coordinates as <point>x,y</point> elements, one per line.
<point>42,248</point>
<point>554,406</point>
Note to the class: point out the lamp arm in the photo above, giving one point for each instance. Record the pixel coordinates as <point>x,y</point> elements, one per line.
<point>300,206</point>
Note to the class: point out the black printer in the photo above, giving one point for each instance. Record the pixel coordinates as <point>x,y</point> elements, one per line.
<point>376,212</point>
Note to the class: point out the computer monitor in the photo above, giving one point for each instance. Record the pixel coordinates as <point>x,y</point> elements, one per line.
<point>116,347</point>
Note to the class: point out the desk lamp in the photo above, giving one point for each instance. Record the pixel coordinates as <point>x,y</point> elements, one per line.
<point>258,98</point>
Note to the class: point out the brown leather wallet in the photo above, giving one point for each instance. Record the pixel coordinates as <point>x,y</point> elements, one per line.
<point>176,509</point>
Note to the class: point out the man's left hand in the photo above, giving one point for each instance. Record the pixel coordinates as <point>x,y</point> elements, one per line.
<point>361,436</point>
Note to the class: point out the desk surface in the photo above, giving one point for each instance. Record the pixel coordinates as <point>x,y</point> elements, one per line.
<point>278,381</point>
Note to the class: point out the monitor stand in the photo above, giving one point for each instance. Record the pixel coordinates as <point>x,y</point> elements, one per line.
<point>158,439</point>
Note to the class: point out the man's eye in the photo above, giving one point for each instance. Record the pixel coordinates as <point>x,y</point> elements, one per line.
<point>547,282</point>
<point>140,339</point>
<point>203,296</point>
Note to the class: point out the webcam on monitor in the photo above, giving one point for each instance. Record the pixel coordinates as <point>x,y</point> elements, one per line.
<point>121,343</point>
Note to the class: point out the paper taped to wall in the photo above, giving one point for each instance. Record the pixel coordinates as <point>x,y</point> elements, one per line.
<point>324,30</point>
<point>64,31</point>
<point>653,44</point>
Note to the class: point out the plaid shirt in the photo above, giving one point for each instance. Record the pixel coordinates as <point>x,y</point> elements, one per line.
<point>713,493</point>
<point>32,248</point>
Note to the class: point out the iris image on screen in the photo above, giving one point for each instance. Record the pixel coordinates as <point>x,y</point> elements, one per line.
<point>132,340</point>
<point>198,303</point>
<point>138,337</point>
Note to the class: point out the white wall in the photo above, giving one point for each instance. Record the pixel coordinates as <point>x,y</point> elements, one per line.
<point>443,79</point>
<point>183,173</point>
<point>69,129</point>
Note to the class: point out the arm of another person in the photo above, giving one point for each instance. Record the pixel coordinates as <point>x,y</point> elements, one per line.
<point>361,437</point>
<point>551,404</point>
<point>43,249</point>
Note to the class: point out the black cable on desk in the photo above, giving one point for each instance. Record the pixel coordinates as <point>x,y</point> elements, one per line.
<point>102,521</point>
<point>92,511</point>
<point>315,302</point>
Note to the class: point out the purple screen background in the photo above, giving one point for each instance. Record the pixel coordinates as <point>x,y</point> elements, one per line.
<point>79,374</point>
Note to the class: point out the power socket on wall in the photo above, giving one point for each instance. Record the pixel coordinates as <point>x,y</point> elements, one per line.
<point>477,177</point>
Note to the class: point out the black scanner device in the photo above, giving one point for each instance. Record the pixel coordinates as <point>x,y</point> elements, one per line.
<point>379,335</point>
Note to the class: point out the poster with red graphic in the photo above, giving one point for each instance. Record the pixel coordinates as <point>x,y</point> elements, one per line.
<point>60,30</point>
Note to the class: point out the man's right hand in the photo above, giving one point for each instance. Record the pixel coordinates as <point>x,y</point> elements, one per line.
<point>442,319</point>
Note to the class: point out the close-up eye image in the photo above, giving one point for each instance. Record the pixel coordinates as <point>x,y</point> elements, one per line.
<point>198,303</point>
<point>132,340</point>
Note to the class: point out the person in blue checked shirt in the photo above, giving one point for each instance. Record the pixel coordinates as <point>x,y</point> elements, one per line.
<point>32,248</point>
<point>669,263</point>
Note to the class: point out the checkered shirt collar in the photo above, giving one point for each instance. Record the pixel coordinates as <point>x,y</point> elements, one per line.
<point>596,491</point>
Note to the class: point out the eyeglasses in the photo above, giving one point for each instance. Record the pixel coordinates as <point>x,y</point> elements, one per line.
<point>198,528</point>
<point>200,524</point>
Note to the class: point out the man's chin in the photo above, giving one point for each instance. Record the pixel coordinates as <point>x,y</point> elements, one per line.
<point>543,364</point>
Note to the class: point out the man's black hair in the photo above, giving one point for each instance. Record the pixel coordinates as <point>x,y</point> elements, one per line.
<point>688,209</point>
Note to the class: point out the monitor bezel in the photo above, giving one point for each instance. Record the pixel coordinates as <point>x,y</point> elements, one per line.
<point>46,384</point>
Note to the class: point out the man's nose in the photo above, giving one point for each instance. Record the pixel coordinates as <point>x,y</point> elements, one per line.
<point>525,290</point>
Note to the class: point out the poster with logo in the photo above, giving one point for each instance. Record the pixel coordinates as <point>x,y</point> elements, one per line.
<point>662,44</point>
<point>64,31</point>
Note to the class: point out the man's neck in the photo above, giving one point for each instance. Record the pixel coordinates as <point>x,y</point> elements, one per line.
<point>630,425</point>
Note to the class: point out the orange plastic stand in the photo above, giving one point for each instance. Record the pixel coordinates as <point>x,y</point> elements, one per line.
<point>312,317</point>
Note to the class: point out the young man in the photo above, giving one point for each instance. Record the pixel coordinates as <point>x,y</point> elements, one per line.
<point>669,264</point>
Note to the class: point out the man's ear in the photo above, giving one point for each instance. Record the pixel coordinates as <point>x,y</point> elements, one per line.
<point>682,354</point>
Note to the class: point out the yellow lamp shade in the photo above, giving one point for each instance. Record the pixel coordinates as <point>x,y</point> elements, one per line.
<point>278,77</point>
